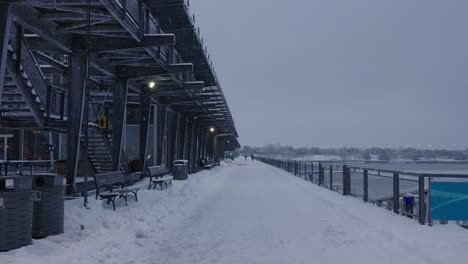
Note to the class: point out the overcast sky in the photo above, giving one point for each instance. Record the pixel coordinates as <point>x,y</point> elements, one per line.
<point>342,72</point>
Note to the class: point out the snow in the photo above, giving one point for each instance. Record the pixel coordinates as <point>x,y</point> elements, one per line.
<point>243,212</point>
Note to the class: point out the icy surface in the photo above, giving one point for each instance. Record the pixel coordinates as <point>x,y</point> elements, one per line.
<point>243,212</point>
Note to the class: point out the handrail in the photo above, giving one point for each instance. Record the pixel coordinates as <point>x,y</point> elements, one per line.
<point>390,189</point>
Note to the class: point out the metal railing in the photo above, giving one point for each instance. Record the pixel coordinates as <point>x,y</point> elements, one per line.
<point>405,193</point>
<point>25,167</point>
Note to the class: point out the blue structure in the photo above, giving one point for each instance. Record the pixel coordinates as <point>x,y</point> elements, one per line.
<point>449,201</point>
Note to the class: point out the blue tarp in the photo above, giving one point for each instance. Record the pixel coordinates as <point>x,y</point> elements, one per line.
<point>449,200</point>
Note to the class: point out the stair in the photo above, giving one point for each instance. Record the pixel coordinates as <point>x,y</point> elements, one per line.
<point>99,152</point>
<point>19,99</point>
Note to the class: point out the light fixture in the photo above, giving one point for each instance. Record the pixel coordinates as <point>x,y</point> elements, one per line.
<point>212,129</point>
<point>151,84</point>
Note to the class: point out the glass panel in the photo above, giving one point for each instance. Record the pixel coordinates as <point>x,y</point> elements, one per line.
<point>133,143</point>
<point>150,146</point>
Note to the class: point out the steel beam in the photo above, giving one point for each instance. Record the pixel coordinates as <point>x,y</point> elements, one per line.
<point>25,91</point>
<point>131,72</point>
<point>160,136</point>
<point>76,102</point>
<point>107,44</point>
<point>5,26</point>
<point>119,107</point>
<point>51,61</point>
<point>29,18</point>
<point>119,13</point>
<point>145,111</point>
<point>186,143</point>
<point>193,138</point>
<point>30,67</point>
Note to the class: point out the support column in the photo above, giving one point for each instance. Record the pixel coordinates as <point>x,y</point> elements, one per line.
<point>5,25</point>
<point>176,146</point>
<point>145,111</point>
<point>171,138</point>
<point>182,139</point>
<point>216,147</point>
<point>186,147</point>
<point>75,110</point>
<point>202,143</point>
<point>197,149</point>
<point>160,127</point>
<point>21,145</point>
<point>164,154</point>
<point>193,144</point>
<point>119,107</point>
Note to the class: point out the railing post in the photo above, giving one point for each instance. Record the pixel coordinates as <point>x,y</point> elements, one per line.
<point>422,201</point>
<point>396,193</point>
<point>331,177</point>
<point>345,179</point>
<point>311,172</point>
<point>295,167</point>
<point>366,186</point>
<point>305,170</point>
<point>320,174</point>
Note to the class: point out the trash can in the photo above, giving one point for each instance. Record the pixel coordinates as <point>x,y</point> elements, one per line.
<point>180,169</point>
<point>48,212</point>
<point>409,203</point>
<point>16,211</point>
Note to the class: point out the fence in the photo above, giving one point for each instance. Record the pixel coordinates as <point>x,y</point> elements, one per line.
<point>24,167</point>
<point>405,193</point>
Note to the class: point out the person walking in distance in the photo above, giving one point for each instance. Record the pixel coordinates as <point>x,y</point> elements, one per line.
<point>253,157</point>
<point>245,157</point>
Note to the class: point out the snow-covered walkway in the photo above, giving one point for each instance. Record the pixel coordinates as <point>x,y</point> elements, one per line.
<point>243,212</point>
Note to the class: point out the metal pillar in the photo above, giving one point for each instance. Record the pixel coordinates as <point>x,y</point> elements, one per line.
<point>75,109</point>
<point>160,136</point>
<point>119,107</point>
<point>165,153</point>
<point>172,138</point>
<point>422,201</point>
<point>216,146</point>
<point>366,186</point>
<point>346,180</point>
<point>5,26</point>
<point>186,147</point>
<point>198,147</point>
<point>201,144</point>
<point>177,135</point>
<point>145,112</point>
<point>396,193</point>
<point>193,145</point>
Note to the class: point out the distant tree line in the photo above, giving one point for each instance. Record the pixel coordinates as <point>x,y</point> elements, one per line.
<point>382,154</point>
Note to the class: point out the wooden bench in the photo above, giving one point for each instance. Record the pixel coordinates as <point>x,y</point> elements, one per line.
<point>158,176</point>
<point>113,185</point>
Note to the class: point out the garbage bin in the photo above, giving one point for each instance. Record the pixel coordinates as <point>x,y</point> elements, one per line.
<point>409,203</point>
<point>16,211</point>
<point>48,212</point>
<point>180,169</point>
